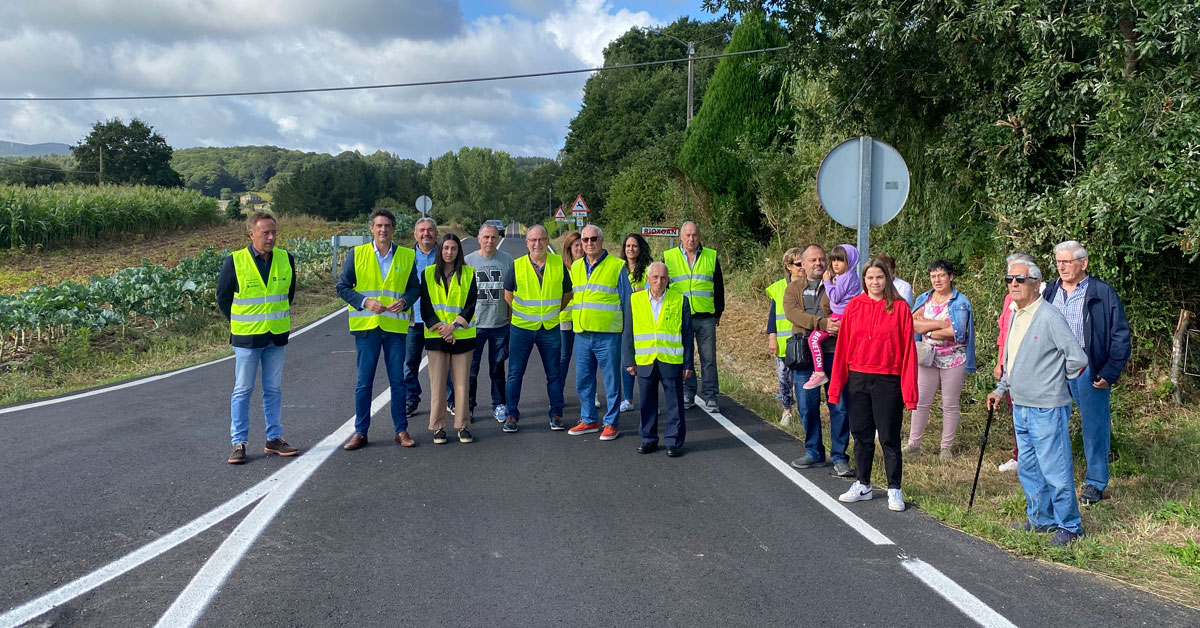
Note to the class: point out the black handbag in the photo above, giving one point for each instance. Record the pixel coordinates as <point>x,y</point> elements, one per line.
<point>796,354</point>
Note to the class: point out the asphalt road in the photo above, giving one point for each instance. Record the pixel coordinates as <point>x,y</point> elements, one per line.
<point>122,503</point>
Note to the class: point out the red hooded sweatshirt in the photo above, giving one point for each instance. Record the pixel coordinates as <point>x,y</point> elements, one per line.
<point>870,340</point>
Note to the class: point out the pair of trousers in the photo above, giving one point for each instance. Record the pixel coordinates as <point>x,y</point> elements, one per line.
<point>458,367</point>
<point>496,341</point>
<point>705,330</point>
<point>246,362</point>
<point>1045,468</point>
<point>549,345</point>
<point>929,379</point>
<point>786,383</point>
<point>676,428</point>
<point>598,350</point>
<point>809,403</point>
<point>369,345</point>
<point>1095,421</point>
<point>414,345</point>
<point>874,404</point>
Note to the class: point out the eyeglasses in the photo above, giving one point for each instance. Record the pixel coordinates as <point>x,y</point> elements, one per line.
<point>1064,262</point>
<point>1020,278</point>
<point>537,239</point>
<point>591,239</point>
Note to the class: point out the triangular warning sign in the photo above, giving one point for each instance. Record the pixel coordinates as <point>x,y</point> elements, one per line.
<point>559,213</point>
<point>579,207</point>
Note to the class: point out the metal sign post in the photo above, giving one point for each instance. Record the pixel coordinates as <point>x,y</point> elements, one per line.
<point>863,183</point>
<point>424,204</point>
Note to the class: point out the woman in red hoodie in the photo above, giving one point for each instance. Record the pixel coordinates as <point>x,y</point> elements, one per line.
<point>875,364</point>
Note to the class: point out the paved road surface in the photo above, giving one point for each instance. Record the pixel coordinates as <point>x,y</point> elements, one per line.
<point>536,528</point>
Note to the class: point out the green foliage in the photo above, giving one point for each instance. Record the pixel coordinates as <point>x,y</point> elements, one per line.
<point>1187,555</point>
<point>233,210</point>
<point>56,215</point>
<point>348,186</point>
<point>34,171</point>
<point>128,154</point>
<point>473,185</point>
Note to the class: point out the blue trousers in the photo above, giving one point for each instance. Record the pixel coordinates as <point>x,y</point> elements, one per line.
<point>598,350</point>
<point>245,369</point>
<point>369,344</point>
<point>676,428</point>
<point>495,339</point>
<point>549,345</point>
<point>1095,421</point>
<point>568,352</point>
<point>1045,468</point>
<point>809,404</point>
<point>414,345</point>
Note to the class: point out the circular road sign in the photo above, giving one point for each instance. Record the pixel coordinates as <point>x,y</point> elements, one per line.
<point>424,204</point>
<point>840,182</point>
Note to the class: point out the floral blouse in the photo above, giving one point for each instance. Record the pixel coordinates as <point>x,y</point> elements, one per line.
<point>947,354</point>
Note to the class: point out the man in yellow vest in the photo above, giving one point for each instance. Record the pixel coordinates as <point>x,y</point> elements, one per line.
<point>601,290</point>
<point>538,290</point>
<point>255,289</point>
<point>696,274</point>
<point>658,349</point>
<point>379,283</point>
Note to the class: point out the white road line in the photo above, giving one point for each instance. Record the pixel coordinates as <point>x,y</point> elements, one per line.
<point>152,378</point>
<point>941,584</point>
<point>962,599</point>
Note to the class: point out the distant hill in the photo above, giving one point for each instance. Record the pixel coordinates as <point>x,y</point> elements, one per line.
<point>16,149</point>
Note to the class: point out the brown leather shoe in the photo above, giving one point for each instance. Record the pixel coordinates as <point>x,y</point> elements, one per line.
<point>356,442</point>
<point>405,440</point>
<point>278,447</point>
<point>238,455</point>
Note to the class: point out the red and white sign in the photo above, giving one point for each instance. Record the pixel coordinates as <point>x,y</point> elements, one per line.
<point>559,214</point>
<point>580,208</point>
<point>662,232</point>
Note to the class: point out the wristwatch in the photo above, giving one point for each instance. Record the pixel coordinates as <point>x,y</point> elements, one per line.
<point>457,325</point>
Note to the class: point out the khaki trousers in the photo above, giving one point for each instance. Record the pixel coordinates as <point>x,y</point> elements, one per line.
<point>458,366</point>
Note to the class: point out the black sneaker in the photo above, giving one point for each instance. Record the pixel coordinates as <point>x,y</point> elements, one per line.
<point>510,425</point>
<point>439,437</point>
<point>808,462</point>
<point>238,455</point>
<point>556,423</point>
<point>1090,495</point>
<point>410,409</point>
<point>464,436</point>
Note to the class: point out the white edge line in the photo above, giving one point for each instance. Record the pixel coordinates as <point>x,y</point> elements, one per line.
<point>806,485</point>
<point>952,592</point>
<point>152,378</point>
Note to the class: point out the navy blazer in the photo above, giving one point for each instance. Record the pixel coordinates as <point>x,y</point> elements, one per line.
<point>1105,328</point>
<point>666,370</point>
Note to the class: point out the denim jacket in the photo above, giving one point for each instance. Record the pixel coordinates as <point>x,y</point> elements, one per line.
<point>962,321</point>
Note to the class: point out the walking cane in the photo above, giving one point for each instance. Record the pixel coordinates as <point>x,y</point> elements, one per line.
<point>982,445</point>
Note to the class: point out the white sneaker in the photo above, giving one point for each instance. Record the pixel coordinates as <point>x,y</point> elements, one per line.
<point>895,500</point>
<point>786,419</point>
<point>626,405</point>
<point>857,493</point>
<point>501,413</point>
<point>597,402</point>
<point>1011,465</point>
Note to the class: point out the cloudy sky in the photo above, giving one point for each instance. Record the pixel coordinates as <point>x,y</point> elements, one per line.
<point>126,47</point>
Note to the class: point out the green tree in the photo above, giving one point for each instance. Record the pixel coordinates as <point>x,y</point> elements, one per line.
<point>32,172</point>
<point>120,153</point>
<point>233,210</point>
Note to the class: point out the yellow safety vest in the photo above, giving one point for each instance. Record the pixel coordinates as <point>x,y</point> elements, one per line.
<point>783,327</point>
<point>536,304</point>
<point>596,305</point>
<point>694,282</point>
<point>637,286</point>
<point>370,283</point>
<point>260,308</point>
<point>660,340</point>
<point>448,304</point>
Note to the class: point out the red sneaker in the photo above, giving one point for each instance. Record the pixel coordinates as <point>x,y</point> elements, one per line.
<point>610,433</point>
<point>583,428</point>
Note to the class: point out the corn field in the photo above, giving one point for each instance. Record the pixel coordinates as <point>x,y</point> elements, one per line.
<point>60,214</point>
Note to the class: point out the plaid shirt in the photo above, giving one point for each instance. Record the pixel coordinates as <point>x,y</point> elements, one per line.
<point>1072,307</point>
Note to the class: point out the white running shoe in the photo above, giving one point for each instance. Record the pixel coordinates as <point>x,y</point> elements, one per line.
<point>786,419</point>
<point>626,405</point>
<point>895,500</point>
<point>501,413</point>
<point>597,402</point>
<point>857,493</point>
<point>1011,465</point>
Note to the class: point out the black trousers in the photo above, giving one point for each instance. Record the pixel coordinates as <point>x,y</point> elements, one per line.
<point>874,403</point>
<point>676,428</point>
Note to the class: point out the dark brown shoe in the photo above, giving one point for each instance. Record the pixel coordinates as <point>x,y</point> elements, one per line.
<point>277,447</point>
<point>358,441</point>
<point>238,455</point>
<point>405,440</point>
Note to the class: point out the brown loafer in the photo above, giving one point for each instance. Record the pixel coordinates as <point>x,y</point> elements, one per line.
<point>405,440</point>
<point>356,442</point>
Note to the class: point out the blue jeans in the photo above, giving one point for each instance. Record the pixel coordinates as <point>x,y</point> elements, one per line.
<point>705,331</point>
<point>627,382</point>
<point>369,344</point>
<point>414,345</point>
<point>809,402</point>
<point>245,369</point>
<point>549,345</point>
<point>594,349</point>
<point>496,341</point>
<point>1095,422</point>
<point>568,348</point>
<point>1045,468</point>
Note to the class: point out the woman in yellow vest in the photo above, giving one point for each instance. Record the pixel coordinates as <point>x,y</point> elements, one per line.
<point>779,329</point>
<point>637,260</point>
<point>448,309</point>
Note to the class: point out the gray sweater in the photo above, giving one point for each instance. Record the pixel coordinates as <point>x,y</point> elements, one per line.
<point>1048,356</point>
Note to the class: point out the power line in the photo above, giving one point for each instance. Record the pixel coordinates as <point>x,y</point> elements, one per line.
<point>17,164</point>
<point>313,90</point>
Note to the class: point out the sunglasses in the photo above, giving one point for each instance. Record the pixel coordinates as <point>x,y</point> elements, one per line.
<point>591,239</point>
<point>1020,278</point>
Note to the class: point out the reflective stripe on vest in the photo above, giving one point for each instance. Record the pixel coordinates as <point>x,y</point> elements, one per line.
<point>660,340</point>
<point>536,304</point>
<point>783,327</point>
<point>448,304</point>
<point>597,304</point>
<point>696,281</point>
<point>369,282</point>
<point>260,308</point>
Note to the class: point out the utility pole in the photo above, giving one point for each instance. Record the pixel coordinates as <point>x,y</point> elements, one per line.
<point>691,48</point>
<point>101,177</point>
